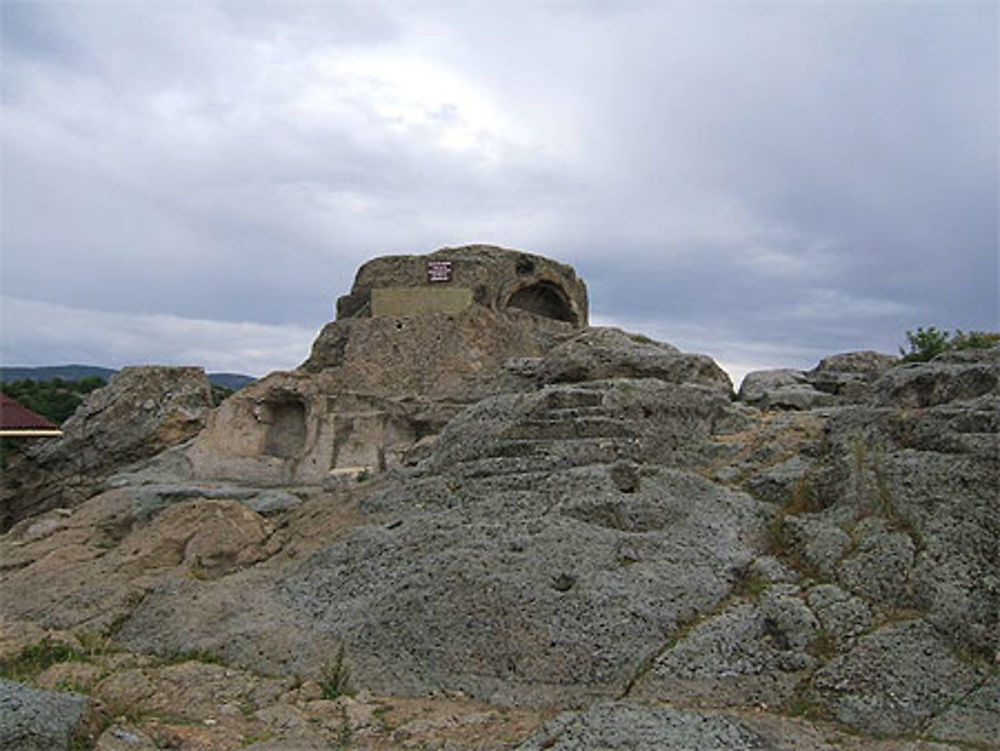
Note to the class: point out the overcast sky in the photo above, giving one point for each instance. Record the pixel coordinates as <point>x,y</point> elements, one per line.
<point>768,183</point>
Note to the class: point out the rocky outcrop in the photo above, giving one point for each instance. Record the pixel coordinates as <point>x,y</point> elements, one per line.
<point>140,413</point>
<point>949,377</point>
<point>405,355</point>
<point>639,420</point>
<point>781,389</point>
<point>837,380</point>
<point>604,353</point>
<point>504,281</point>
<point>590,524</point>
<point>434,355</point>
<point>441,562</point>
<point>881,687</point>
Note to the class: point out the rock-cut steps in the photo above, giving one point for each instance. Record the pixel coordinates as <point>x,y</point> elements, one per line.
<point>567,427</point>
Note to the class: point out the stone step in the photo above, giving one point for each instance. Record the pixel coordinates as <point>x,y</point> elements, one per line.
<point>522,456</point>
<point>571,413</point>
<point>511,465</point>
<point>523,447</point>
<point>574,398</point>
<point>584,427</point>
<point>509,483</point>
<point>514,447</point>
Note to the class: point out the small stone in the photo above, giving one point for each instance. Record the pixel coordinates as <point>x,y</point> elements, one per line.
<point>563,582</point>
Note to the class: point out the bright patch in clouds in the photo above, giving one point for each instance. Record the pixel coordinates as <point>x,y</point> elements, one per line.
<point>410,94</point>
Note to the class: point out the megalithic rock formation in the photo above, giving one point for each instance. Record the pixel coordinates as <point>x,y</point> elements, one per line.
<point>416,340</point>
<point>477,511</point>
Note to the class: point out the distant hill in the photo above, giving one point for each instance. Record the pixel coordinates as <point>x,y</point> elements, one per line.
<point>50,373</point>
<point>234,381</point>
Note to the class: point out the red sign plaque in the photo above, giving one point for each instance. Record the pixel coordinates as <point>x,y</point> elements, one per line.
<point>439,271</point>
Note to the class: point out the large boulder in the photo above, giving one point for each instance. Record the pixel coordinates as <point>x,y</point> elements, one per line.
<point>846,378</point>
<point>432,355</point>
<point>34,720</point>
<point>949,377</point>
<point>850,375</point>
<point>505,281</point>
<point>603,353</point>
<point>781,389</point>
<point>140,413</point>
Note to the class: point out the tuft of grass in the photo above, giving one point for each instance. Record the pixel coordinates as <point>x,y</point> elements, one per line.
<point>381,715</point>
<point>753,585</point>
<point>641,339</point>
<point>94,644</point>
<point>802,706</point>
<point>823,646</point>
<point>36,658</point>
<point>336,677</point>
<point>804,497</point>
<point>778,541</point>
<point>344,735</point>
<point>781,543</point>
<point>253,738</point>
<point>206,656</point>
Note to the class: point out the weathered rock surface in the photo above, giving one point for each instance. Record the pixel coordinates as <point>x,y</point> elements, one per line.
<point>436,355</point>
<point>124,738</point>
<point>88,569</point>
<point>894,680</point>
<point>34,720</point>
<point>973,719</point>
<point>948,377</point>
<point>644,420</point>
<point>603,353</point>
<point>502,280</point>
<point>846,378</point>
<point>781,389</point>
<point>141,412</point>
<point>751,654</point>
<point>527,617</point>
<point>620,725</point>
<point>402,359</point>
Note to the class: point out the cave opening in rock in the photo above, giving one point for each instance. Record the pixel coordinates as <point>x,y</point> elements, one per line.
<point>286,429</point>
<point>544,299</point>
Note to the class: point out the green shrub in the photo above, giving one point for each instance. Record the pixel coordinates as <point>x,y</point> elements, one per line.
<point>975,339</point>
<point>926,344</point>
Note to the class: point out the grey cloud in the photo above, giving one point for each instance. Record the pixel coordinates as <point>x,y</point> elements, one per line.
<point>792,176</point>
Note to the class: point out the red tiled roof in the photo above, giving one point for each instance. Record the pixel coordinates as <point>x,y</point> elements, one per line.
<point>14,416</point>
